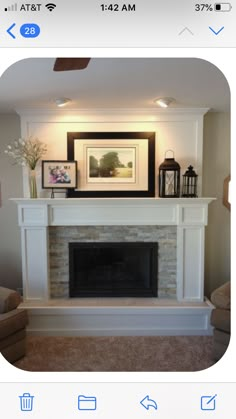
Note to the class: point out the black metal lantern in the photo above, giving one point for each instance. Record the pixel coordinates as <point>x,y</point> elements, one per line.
<point>169,177</point>
<point>189,188</point>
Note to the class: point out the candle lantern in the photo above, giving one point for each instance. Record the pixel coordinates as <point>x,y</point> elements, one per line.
<point>169,177</point>
<point>189,188</point>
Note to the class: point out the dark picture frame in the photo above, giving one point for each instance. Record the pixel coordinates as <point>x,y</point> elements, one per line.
<point>59,174</point>
<point>131,173</point>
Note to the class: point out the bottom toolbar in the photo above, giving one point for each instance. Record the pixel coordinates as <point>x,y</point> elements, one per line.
<point>104,400</point>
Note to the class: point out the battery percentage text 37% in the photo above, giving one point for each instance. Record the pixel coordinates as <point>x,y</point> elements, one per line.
<point>203,7</point>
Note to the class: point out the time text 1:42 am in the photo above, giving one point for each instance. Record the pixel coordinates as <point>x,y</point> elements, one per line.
<point>118,7</point>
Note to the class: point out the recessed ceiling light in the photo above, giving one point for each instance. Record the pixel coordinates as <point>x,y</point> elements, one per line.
<point>164,102</point>
<point>62,101</point>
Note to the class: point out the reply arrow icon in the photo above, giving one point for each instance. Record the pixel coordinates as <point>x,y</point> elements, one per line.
<point>147,402</point>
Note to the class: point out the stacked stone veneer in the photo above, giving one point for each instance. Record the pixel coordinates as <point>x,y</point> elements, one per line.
<point>59,237</point>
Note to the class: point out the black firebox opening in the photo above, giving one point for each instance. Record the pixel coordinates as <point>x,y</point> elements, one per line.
<point>113,269</point>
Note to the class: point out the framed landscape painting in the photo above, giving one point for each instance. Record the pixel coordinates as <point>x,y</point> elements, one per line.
<point>113,164</point>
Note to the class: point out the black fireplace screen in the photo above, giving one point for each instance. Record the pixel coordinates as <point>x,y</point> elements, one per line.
<point>113,269</point>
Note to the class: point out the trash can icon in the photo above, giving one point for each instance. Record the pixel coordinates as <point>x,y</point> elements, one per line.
<point>26,402</point>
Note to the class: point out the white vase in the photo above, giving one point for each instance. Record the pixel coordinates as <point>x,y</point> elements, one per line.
<point>32,184</point>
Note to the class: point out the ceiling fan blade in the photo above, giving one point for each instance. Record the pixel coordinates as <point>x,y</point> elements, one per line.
<point>67,64</point>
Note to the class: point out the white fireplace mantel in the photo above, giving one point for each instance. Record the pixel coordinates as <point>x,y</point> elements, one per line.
<point>189,215</point>
<point>113,211</point>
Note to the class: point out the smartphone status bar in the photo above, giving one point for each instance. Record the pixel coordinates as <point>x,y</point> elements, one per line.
<point>121,24</point>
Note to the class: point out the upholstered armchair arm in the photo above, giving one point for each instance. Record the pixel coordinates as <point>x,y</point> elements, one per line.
<point>221,296</point>
<point>12,321</point>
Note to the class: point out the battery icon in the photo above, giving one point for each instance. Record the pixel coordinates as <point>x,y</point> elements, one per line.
<point>223,7</point>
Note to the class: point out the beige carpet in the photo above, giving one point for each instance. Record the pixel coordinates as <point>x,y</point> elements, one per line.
<point>152,353</point>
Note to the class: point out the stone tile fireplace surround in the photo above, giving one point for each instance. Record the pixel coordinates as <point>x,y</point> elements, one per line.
<point>176,224</point>
<point>60,237</point>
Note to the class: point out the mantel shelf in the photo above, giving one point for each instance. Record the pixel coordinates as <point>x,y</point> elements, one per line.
<point>118,201</point>
<point>112,211</point>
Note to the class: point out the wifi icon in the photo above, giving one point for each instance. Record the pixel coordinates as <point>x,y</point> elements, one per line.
<point>50,6</point>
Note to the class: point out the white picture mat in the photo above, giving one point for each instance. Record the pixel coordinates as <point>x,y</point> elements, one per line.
<point>141,172</point>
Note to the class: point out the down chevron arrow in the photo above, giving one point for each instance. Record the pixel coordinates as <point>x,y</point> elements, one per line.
<point>216,32</point>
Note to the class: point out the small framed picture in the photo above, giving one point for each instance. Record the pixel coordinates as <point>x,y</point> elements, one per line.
<point>59,174</point>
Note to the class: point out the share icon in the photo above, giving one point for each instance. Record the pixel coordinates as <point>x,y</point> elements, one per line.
<point>147,403</point>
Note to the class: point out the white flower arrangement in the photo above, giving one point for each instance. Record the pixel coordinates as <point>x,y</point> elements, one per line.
<point>26,152</point>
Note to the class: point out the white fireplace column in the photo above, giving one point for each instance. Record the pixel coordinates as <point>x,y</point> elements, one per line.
<point>188,214</point>
<point>33,220</point>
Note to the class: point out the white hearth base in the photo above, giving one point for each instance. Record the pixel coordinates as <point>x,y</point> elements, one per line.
<point>118,317</point>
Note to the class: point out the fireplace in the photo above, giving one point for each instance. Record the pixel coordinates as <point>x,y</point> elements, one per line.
<point>177,225</point>
<point>113,269</point>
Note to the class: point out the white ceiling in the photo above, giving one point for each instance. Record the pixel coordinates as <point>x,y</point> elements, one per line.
<point>114,83</point>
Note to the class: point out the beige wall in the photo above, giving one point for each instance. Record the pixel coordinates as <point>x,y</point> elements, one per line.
<point>177,130</point>
<point>216,167</point>
<point>11,186</point>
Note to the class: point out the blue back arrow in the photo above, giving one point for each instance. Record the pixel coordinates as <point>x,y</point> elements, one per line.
<point>9,31</point>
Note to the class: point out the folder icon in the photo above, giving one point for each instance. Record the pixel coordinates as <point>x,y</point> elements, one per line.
<point>87,402</point>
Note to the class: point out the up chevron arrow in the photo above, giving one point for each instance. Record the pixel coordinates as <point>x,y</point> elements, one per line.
<point>186,29</point>
<point>216,32</point>
<point>9,31</point>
